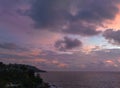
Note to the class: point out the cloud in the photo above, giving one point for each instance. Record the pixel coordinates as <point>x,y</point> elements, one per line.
<point>8,46</point>
<point>74,17</point>
<point>95,60</point>
<point>45,13</point>
<point>13,3</point>
<point>7,3</point>
<point>67,43</point>
<point>59,64</point>
<point>13,56</point>
<point>10,7</point>
<point>112,36</point>
<point>102,60</point>
<point>12,46</point>
<point>82,29</point>
<point>97,11</point>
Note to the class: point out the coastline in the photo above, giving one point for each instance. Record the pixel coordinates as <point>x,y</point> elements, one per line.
<point>21,76</point>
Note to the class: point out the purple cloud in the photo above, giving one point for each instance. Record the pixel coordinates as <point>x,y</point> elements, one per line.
<point>79,17</point>
<point>67,43</point>
<point>113,36</point>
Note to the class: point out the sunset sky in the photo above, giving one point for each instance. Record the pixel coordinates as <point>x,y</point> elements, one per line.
<point>63,35</point>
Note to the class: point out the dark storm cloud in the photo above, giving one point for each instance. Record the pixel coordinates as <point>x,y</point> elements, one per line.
<point>47,13</point>
<point>112,36</point>
<point>98,10</point>
<point>87,14</point>
<point>67,44</point>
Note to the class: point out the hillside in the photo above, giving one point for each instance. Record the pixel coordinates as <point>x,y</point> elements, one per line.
<point>20,76</point>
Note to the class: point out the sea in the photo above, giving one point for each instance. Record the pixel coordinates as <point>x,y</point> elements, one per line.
<point>82,79</point>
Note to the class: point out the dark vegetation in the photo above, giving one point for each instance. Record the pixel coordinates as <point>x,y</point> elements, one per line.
<point>20,76</point>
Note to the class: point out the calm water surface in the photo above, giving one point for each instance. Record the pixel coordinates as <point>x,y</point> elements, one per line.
<point>83,79</point>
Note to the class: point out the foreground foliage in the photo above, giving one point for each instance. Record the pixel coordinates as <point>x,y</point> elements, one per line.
<point>20,76</point>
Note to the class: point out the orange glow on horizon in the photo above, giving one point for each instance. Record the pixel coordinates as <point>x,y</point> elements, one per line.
<point>62,65</point>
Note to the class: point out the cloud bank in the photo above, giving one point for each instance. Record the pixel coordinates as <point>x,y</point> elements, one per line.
<point>73,16</point>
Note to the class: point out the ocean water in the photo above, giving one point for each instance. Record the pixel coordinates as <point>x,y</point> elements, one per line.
<point>83,79</point>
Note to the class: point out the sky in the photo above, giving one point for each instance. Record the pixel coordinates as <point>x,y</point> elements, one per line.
<point>61,35</point>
